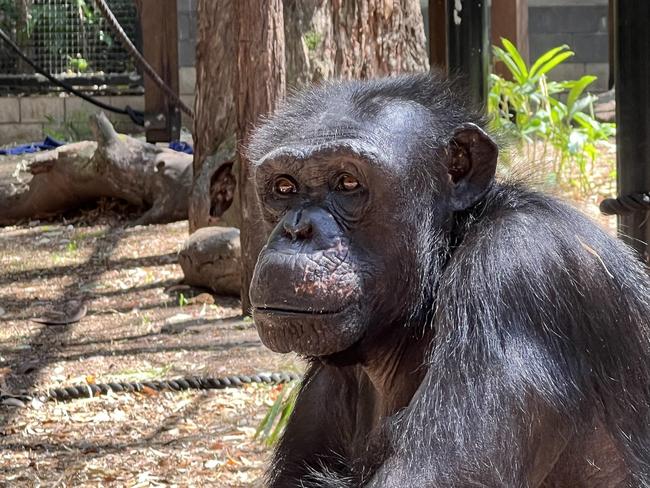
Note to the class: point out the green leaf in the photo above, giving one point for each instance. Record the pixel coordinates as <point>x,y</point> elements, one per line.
<point>578,88</point>
<point>271,416</point>
<point>549,65</point>
<point>577,141</point>
<point>516,57</point>
<point>581,105</point>
<point>505,58</point>
<point>544,58</point>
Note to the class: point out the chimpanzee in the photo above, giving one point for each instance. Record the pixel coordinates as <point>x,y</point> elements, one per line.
<point>461,331</point>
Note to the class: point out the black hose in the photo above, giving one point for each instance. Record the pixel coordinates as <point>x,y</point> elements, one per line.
<point>136,116</point>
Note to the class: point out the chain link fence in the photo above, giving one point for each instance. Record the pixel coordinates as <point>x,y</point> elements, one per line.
<point>69,39</point>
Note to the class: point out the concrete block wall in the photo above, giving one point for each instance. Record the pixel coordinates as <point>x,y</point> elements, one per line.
<point>187,28</point>
<point>582,25</point>
<point>28,119</point>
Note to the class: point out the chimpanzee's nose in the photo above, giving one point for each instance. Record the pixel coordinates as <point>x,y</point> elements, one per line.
<point>297,224</point>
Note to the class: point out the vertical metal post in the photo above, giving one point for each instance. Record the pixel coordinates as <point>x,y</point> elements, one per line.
<point>468,44</point>
<point>632,72</point>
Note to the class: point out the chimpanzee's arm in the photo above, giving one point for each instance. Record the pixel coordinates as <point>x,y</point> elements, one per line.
<point>320,426</point>
<point>482,431</point>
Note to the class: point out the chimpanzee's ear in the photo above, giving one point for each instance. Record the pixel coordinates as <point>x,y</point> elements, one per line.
<point>471,158</point>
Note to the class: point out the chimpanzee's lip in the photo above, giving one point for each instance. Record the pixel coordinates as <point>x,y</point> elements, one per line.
<point>295,311</point>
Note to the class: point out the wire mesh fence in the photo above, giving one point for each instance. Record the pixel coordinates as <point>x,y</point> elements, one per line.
<point>67,38</point>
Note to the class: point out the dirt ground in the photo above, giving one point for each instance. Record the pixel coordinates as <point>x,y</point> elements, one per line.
<point>138,326</point>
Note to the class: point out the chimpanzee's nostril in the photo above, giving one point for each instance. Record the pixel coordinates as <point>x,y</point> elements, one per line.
<point>297,224</point>
<point>299,230</point>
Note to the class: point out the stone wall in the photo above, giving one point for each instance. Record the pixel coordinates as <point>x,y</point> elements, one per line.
<point>582,25</point>
<point>29,119</point>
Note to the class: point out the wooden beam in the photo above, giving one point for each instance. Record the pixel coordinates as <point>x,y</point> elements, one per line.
<point>510,21</point>
<point>160,48</point>
<point>438,34</point>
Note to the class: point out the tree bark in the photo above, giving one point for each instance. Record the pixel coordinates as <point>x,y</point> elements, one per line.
<point>259,86</point>
<point>214,123</point>
<point>353,39</point>
<point>155,178</point>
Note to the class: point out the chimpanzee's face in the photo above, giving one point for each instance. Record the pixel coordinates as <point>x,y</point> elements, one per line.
<point>349,201</point>
<point>328,255</point>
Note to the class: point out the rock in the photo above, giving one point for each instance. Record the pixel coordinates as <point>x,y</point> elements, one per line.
<point>13,402</point>
<point>211,258</point>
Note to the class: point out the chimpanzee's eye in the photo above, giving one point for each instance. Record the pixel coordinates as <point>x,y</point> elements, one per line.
<point>347,182</point>
<point>285,185</point>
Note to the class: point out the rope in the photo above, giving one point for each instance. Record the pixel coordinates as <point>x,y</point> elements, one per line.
<point>139,58</point>
<point>627,204</point>
<point>136,116</point>
<point>67,393</point>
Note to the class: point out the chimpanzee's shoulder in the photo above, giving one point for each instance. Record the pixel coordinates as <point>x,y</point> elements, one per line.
<point>517,225</point>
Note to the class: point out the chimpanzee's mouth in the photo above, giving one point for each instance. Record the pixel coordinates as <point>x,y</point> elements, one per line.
<point>296,311</point>
<point>307,330</point>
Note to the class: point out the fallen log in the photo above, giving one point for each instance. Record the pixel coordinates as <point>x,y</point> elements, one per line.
<point>155,178</point>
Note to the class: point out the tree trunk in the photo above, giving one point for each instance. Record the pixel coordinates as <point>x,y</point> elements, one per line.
<point>325,39</point>
<point>259,86</point>
<point>214,122</point>
<point>353,39</point>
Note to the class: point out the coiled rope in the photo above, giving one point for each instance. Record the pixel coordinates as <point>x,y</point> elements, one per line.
<point>90,390</point>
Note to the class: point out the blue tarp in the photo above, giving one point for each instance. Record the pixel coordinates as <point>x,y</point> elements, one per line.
<point>50,143</point>
<point>33,147</point>
<point>181,146</point>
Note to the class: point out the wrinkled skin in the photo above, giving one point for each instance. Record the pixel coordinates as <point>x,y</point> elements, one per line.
<point>461,332</point>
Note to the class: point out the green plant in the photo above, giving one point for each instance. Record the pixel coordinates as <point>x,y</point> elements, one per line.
<point>312,40</point>
<point>73,246</point>
<point>74,128</point>
<point>531,108</point>
<point>182,300</point>
<point>77,64</point>
<point>276,418</point>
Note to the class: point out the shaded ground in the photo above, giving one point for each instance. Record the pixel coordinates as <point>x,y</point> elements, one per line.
<point>124,275</point>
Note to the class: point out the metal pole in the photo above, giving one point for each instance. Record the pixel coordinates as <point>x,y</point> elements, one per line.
<point>632,72</point>
<point>468,44</point>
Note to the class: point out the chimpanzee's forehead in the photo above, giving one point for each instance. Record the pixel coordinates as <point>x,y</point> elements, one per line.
<point>386,130</point>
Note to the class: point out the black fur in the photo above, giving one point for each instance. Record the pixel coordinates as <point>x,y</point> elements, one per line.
<point>533,325</point>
